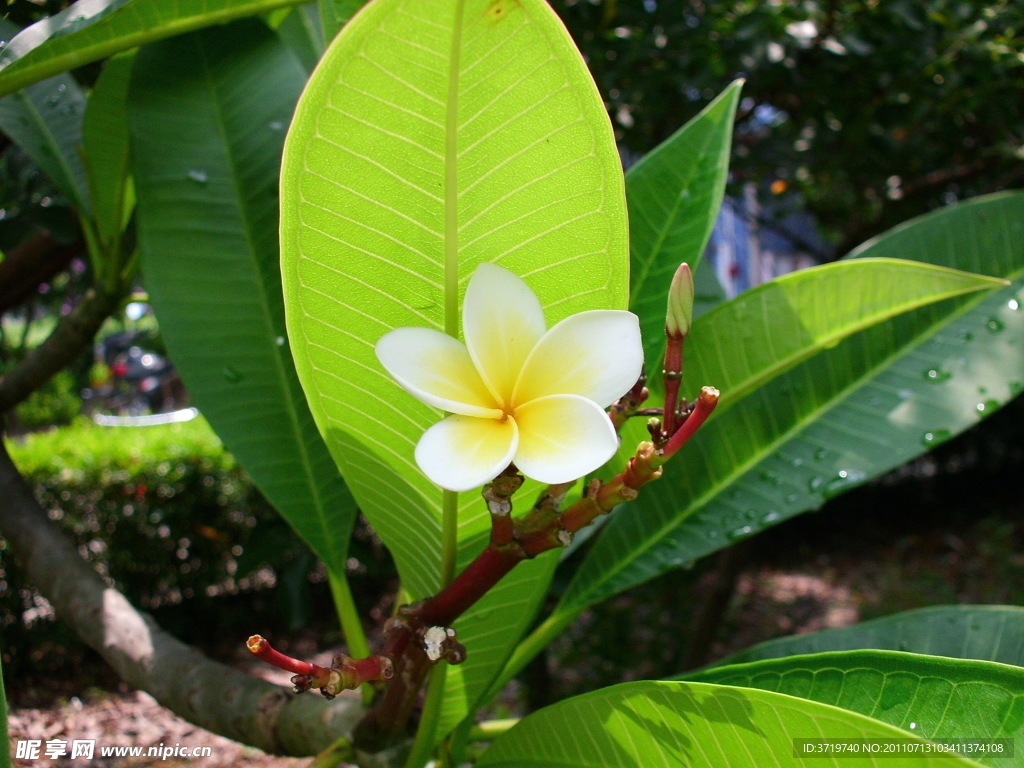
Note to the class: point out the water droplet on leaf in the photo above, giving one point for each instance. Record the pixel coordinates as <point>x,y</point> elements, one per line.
<point>199,177</point>
<point>231,374</point>
<point>987,407</point>
<point>740,533</point>
<point>934,437</point>
<point>994,325</point>
<point>937,375</point>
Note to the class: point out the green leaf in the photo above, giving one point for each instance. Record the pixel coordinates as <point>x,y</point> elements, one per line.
<point>46,122</point>
<point>791,318</point>
<point>90,30</point>
<point>674,194</point>
<point>334,14</point>
<point>983,632</point>
<point>105,144</point>
<point>208,112</point>
<point>693,724</point>
<point>502,616</point>
<point>413,157</point>
<point>935,697</point>
<point>299,28</point>
<point>739,347</point>
<point>434,136</point>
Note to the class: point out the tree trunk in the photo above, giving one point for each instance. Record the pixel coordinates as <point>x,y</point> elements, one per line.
<point>207,693</point>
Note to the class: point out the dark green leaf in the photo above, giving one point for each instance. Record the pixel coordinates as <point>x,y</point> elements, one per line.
<point>46,122</point>
<point>105,142</point>
<point>90,30</point>
<point>208,114</point>
<point>764,457</point>
<point>984,632</point>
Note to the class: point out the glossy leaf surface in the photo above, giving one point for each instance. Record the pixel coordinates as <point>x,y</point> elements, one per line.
<point>983,632</point>
<point>931,696</point>
<point>748,468</point>
<point>46,122</point>
<point>674,194</point>
<point>408,164</point>
<point>688,724</point>
<point>207,211</point>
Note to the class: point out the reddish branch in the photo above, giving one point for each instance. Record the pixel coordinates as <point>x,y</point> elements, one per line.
<point>422,634</point>
<point>345,673</point>
<point>545,527</point>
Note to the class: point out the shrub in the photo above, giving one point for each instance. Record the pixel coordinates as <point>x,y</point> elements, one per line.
<point>55,403</point>
<point>164,512</point>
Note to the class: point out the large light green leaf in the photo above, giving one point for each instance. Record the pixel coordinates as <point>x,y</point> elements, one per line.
<point>208,112</point>
<point>639,725</point>
<point>414,157</point>
<point>849,413</point>
<point>46,122</point>
<point>983,632</point>
<point>90,30</point>
<point>436,135</point>
<point>935,697</point>
<point>674,194</point>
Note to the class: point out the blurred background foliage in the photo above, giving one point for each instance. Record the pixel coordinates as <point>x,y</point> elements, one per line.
<point>870,112</point>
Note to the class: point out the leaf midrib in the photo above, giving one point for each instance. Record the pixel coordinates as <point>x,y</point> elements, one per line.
<point>782,364</point>
<point>662,234</point>
<point>50,139</point>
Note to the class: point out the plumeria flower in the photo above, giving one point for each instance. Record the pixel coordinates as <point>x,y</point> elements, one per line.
<point>516,391</point>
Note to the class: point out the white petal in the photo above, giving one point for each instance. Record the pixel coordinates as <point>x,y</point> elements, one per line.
<point>464,452</point>
<point>595,354</point>
<point>563,437</point>
<point>435,368</point>
<point>502,320</point>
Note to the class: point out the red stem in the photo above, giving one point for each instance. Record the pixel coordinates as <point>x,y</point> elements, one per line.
<point>706,402</point>
<point>486,570</point>
<point>262,649</point>
<point>673,374</point>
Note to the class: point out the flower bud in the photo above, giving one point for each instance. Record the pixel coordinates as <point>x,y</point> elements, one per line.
<point>680,302</point>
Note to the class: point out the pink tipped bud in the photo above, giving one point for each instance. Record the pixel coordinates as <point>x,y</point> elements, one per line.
<point>680,302</point>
